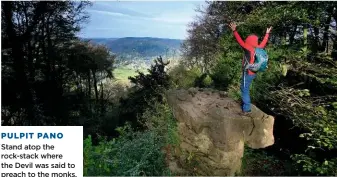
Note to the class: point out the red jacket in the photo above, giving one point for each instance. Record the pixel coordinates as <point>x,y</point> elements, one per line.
<point>249,46</point>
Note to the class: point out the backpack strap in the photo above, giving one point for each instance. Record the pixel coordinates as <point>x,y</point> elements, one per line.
<point>245,63</point>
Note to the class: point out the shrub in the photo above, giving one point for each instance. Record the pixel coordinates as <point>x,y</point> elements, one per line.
<point>207,81</point>
<point>183,77</point>
<point>147,87</point>
<point>131,154</point>
<point>301,96</point>
<point>226,71</point>
<point>259,163</point>
<point>134,153</point>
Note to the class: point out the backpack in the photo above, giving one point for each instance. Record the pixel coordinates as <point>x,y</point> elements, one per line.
<point>260,62</point>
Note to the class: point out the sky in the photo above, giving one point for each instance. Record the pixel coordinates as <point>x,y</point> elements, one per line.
<point>116,19</point>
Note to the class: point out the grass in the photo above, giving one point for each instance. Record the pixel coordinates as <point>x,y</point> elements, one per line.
<point>123,73</point>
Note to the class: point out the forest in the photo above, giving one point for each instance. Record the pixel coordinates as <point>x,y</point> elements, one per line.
<point>52,77</point>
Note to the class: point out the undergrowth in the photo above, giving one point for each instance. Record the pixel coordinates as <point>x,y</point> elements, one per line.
<point>133,152</point>
<point>259,163</point>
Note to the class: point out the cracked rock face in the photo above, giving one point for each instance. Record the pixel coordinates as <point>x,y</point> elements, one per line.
<point>213,133</point>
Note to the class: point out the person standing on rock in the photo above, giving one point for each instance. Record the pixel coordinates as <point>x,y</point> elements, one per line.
<point>248,76</point>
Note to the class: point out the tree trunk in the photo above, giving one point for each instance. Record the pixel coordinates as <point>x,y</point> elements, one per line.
<point>316,44</point>
<point>95,83</point>
<point>89,84</point>
<point>102,99</point>
<point>305,38</point>
<point>284,39</point>
<point>292,35</point>
<point>326,30</point>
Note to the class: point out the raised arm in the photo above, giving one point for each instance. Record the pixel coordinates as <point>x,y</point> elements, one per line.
<point>237,36</point>
<point>265,39</point>
<point>240,41</point>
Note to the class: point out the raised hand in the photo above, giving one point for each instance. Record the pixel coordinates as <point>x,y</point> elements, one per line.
<point>269,29</point>
<point>232,26</point>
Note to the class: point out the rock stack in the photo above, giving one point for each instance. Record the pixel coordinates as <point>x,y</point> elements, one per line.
<point>213,132</point>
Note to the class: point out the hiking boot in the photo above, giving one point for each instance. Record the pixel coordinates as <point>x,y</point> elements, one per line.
<point>249,113</point>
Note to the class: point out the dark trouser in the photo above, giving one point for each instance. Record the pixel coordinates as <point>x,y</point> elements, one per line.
<point>245,86</point>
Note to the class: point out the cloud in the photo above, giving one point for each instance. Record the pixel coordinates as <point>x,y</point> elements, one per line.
<point>116,14</point>
<point>103,6</point>
<point>179,21</point>
<point>152,19</point>
<point>93,29</point>
<point>167,18</point>
<point>173,17</point>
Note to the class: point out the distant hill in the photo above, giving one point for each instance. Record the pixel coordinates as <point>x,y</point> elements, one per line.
<point>133,48</point>
<point>102,40</point>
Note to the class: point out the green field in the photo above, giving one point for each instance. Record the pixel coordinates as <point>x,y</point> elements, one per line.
<point>121,74</point>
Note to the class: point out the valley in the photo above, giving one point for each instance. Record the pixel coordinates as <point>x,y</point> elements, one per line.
<point>137,53</point>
